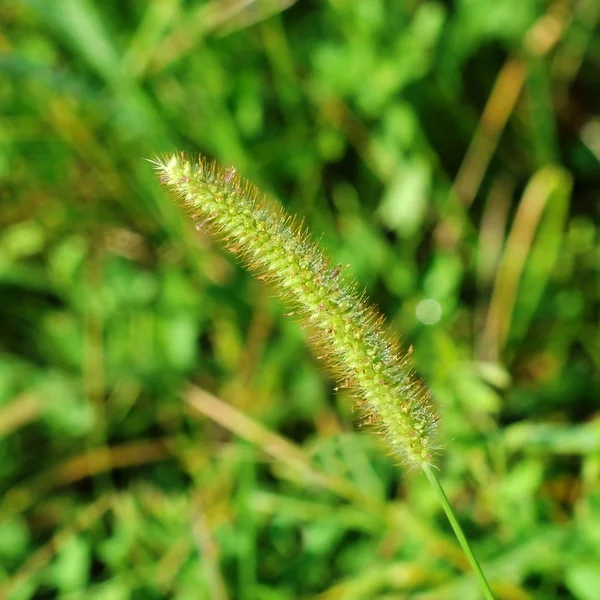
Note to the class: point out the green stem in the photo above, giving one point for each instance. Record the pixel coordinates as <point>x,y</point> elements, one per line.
<point>460,536</point>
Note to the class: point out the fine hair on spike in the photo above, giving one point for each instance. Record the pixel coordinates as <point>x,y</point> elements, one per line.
<point>347,331</point>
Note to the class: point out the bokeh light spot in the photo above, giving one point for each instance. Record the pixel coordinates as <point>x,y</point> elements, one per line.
<point>429,311</point>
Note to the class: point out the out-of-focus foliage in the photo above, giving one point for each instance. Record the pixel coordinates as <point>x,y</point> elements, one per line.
<point>448,151</point>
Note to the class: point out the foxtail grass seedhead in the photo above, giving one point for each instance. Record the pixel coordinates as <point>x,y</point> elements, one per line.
<point>355,341</point>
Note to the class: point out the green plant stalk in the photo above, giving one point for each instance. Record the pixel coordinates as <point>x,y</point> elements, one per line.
<point>350,333</point>
<point>460,536</point>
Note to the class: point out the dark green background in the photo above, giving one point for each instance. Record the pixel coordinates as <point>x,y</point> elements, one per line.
<point>358,115</point>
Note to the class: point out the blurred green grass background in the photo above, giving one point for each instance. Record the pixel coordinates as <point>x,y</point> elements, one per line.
<point>164,430</point>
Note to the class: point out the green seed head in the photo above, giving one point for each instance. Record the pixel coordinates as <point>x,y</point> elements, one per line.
<point>349,332</point>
